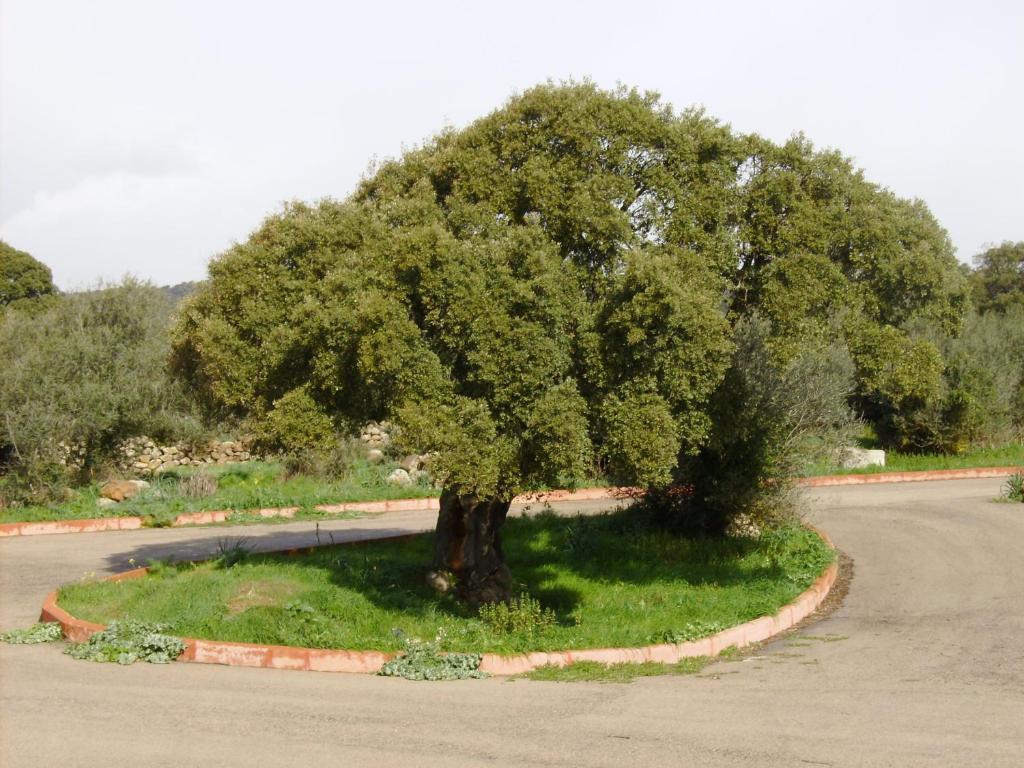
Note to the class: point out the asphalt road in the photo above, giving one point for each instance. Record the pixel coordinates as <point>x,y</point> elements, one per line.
<point>923,664</point>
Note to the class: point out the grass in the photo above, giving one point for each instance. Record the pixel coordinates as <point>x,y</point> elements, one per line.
<point>1002,456</point>
<point>595,672</point>
<point>240,487</point>
<point>609,579</point>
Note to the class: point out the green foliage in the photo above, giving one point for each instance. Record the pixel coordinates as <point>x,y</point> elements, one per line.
<point>523,616</point>
<point>550,286</point>
<point>126,642</point>
<point>424,660</point>
<point>769,416</point>
<point>295,423</point>
<point>87,371</point>
<point>1013,489</point>
<point>43,632</point>
<point>23,280</point>
<point>998,279</point>
<point>231,552</point>
<point>692,631</point>
<point>799,204</point>
<point>471,290</point>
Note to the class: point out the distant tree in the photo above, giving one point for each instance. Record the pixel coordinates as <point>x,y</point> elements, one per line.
<point>998,279</point>
<point>22,277</point>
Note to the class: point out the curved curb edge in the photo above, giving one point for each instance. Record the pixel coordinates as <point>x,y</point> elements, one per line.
<point>95,525</point>
<point>330,660</point>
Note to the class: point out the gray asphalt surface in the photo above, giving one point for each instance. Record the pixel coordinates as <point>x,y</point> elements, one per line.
<point>923,664</point>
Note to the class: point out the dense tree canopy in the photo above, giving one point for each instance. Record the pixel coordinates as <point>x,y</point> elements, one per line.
<point>998,280</point>
<point>555,285</point>
<point>22,277</point>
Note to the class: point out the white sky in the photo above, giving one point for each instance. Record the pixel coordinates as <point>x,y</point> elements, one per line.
<point>143,137</point>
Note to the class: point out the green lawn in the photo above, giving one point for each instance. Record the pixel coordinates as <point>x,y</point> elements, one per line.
<point>253,485</point>
<point>609,579</point>
<point>1003,456</point>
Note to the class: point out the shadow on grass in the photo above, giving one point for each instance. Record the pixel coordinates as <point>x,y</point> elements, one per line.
<point>544,551</point>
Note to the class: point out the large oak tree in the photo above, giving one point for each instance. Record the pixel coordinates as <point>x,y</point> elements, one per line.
<point>552,287</point>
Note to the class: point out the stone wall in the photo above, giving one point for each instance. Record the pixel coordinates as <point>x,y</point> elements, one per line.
<point>142,456</point>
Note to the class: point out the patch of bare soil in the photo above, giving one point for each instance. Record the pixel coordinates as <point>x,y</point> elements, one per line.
<point>259,592</point>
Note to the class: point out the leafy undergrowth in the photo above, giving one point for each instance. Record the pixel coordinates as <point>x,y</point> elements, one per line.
<point>249,486</point>
<point>1013,488</point>
<point>425,660</point>
<point>606,580</point>
<point>1004,456</point>
<point>45,632</point>
<point>125,642</point>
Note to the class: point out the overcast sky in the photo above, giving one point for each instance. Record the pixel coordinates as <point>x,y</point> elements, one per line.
<point>145,137</point>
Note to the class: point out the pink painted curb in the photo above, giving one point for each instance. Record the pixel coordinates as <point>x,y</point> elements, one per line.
<point>908,477</point>
<point>94,525</point>
<point>333,660</point>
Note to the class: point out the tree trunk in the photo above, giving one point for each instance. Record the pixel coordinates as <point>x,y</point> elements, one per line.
<point>467,549</point>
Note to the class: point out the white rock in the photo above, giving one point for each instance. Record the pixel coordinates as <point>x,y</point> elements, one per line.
<point>375,455</point>
<point>399,477</point>
<point>858,458</point>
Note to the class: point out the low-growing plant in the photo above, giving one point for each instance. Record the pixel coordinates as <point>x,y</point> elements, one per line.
<point>1013,488</point>
<point>231,553</point>
<point>523,616</point>
<point>45,632</point>
<point>198,485</point>
<point>425,660</point>
<point>691,631</point>
<point>125,642</point>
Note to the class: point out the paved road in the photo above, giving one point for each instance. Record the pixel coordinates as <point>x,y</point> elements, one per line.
<point>922,665</point>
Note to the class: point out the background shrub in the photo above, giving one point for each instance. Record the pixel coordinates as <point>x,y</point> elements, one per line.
<point>86,372</point>
<point>770,417</point>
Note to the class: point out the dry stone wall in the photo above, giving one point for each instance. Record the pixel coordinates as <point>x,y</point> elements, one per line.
<point>142,456</point>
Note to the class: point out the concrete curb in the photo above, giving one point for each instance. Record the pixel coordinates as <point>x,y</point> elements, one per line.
<point>908,477</point>
<point>331,660</point>
<point>94,525</point>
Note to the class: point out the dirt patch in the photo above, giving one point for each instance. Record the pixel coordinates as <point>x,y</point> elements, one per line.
<point>259,592</point>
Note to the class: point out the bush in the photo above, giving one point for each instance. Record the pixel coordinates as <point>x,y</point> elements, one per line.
<point>295,423</point>
<point>523,616</point>
<point>87,372</point>
<point>769,418</point>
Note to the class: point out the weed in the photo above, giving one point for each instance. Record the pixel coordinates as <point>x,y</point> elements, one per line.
<point>523,616</point>
<point>694,630</point>
<point>38,633</point>
<point>1013,488</point>
<point>198,485</point>
<point>424,660</point>
<point>126,642</point>
<point>231,553</point>
<point>595,672</point>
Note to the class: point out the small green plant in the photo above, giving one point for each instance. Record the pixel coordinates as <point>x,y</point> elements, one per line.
<point>691,631</point>
<point>231,553</point>
<point>1013,488</point>
<point>424,660</point>
<point>46,632</point>
<point>523,616</point>
<point>198,485</point>
<point>125,642</point>
<point>595,672</point>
